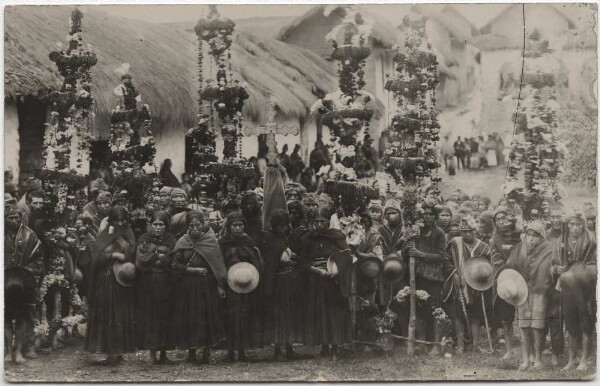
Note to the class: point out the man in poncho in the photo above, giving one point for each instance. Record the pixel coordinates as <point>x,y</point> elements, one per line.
<point>532,258</point>
<point>22,248</point>
<point>462,249</point>
<point>575,269</point>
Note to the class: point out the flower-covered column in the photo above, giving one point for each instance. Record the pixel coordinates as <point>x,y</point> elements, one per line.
<point>66,153</point>
<point>411,158</point>
<point>534,160</point>
<point>221,101</point>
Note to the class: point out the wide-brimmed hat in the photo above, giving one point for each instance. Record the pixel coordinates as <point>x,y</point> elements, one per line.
<point>369,267</point>
<point>512,287</point>
<point>20,283</point>
<point>124,273</point>
<point>479,274</point>
<point>393,269</point>
<point>242,278</point>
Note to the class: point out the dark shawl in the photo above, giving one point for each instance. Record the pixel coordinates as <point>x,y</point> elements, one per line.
<point>126,246</point>
<point>145,259</point>
<point>342,256</point>
<point>534,268</point>
<point>208,248</point>
<point>240,249</point>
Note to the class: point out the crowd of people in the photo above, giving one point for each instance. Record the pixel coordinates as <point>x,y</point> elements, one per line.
<point>188,277</point>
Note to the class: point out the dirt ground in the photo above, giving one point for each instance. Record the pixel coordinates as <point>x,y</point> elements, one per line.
<point>72,364</point>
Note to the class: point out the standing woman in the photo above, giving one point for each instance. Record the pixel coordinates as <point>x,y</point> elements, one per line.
<point>281,287</point>
<point>153,287</point>
<point>110,326</point>
<point>200,281</point>
<point>244,311</point>
<point>327,319</point>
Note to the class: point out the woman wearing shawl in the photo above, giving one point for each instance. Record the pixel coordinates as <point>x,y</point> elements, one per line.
<point>166,175</point>
<point>153,287</point>
<point>200,281</point>
<point>298,225</point>
<point>110,322</point>
<point>576,272</point>
<point>244,311</point>
<point>281,287</point>
<point>327,318</point>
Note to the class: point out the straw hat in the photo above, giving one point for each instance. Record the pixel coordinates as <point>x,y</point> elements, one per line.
<point>242,278</point>
<point>124,273</point>
<point>394,268</point>
<point>332,266</point>
<point>512,288</point>
<point>479,274</point>
<point>370,267</point>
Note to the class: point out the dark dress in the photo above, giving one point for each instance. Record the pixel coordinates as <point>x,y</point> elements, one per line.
<point>282,293</point>
<point>197,306</point>
<point>244,311</point>
<point>327,318</point>
<point>110,324</point>
<point>153,295</point>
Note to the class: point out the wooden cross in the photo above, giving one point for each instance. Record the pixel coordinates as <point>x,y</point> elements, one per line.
<point>270,129</point>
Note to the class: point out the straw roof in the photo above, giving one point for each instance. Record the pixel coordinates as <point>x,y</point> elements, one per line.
<point>450,20</point>
<point>487,28</point>
<point>383,33</point>
<point>163,64</point>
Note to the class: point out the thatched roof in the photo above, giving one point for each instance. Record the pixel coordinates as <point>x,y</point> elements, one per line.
<point>487,28</point>
<point>383,32</point>
<point>449,19</point>
<point>491,42</point>
<point>163,64</point>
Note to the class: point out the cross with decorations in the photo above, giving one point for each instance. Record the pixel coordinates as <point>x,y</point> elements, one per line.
<point>270,129</point>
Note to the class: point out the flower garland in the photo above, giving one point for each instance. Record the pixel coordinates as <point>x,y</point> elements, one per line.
<point>424,302</point>
<point>534,160</point>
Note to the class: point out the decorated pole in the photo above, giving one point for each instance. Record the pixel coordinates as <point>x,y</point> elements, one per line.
<point>224,97</point>
<point>65,173</point>
<point>411,156</point>
<point>534,159</point>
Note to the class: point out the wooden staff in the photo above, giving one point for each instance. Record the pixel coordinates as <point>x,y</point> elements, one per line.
<point>353,305</point>
<point>487,326</point>
<point>410,348</point>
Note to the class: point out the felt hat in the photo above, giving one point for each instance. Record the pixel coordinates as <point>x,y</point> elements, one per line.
<point>580,274</point>
<point>19,286</point>
<point>479,274</point>
<point>512,287</point>
<point>393,269</point>
<point>124,273</point>
<point>369,267</point>
<point>242,278</point>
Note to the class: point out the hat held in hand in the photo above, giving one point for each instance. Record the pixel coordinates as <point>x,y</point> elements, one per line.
<point>242,278</point>
<point>512,287</point>
<point>394,268</point>
<point>124,273</point>
<point>479,274</point>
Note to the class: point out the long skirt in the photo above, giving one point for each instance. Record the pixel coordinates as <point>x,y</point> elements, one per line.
<point>244,320</point>
<point>197,314</point>
<point>153,310</point>
<point>491,158</point>
<point>110,326</point>
<point>327,318</point>
<point>283,321</point>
